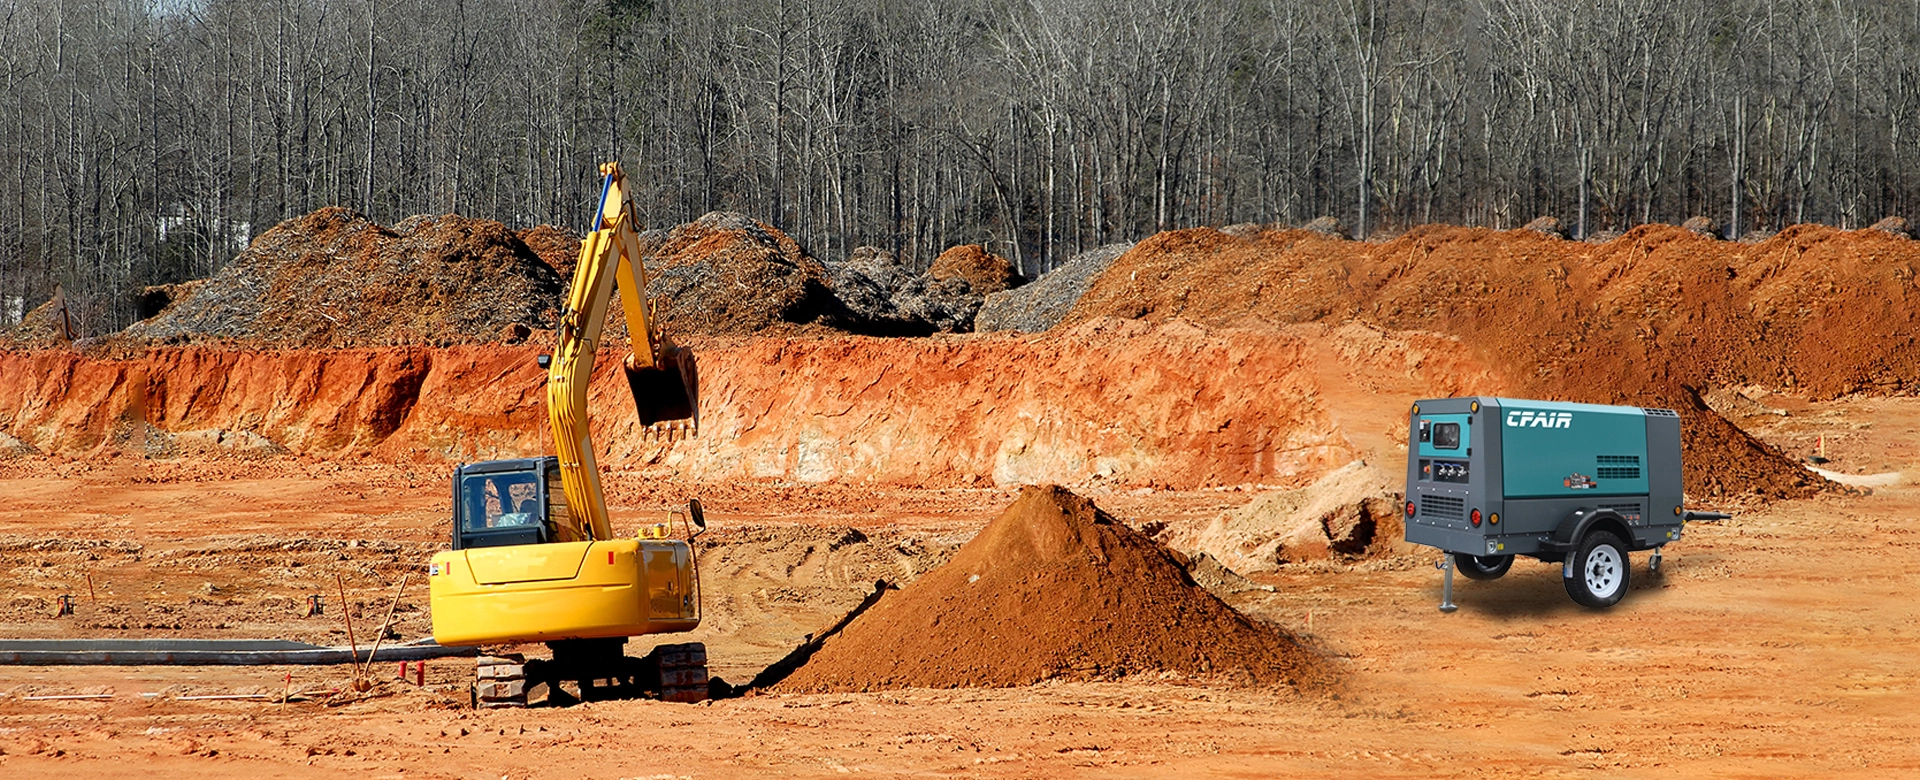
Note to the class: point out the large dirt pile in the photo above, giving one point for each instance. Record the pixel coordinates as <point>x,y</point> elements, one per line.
<point>729,274</point>
<point>1045,301</point>
<point>1650,318</point>
<point>334,278</point>
<point>1052,588</point>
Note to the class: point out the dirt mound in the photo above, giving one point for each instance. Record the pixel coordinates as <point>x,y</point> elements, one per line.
<point>986,272</point>
<point>1043,303</point>
<point>1894,226</point>
<point>558,247</point>
<point>334,278</point>
<point>1701,226</point>
<point>1351,512</point>
<point>729,274</point>
<point>1548,226</point>
<point>1052,588</point>
<point>1651,318</point>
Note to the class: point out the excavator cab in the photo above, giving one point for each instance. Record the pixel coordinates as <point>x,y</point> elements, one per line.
<point>507,502</point>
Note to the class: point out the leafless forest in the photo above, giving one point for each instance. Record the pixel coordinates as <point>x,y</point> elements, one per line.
<point>146,140</point>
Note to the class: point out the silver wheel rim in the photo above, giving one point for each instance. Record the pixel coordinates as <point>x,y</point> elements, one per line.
<point>1603,571</point>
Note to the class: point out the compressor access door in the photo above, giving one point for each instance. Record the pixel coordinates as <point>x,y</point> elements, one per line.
<point>1562,450</point>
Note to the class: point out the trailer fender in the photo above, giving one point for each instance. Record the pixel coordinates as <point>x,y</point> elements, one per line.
<point>1576,525</point>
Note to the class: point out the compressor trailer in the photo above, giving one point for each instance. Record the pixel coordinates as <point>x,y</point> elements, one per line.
<point>1581,485</point>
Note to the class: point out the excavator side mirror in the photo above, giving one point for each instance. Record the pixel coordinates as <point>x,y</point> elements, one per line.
<point>545,361</point>
<point>699,517</point>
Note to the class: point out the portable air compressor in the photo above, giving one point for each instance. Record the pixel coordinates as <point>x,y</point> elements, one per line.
<point>1581,485</point>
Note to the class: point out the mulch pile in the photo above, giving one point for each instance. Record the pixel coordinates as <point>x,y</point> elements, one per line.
<point>47,326</point>
<point>1053,588</point>
<point>335,278</point>
<point>1652,318</point>
<point>890,298</point>
<point>729,274</point>
<point>559,247</point>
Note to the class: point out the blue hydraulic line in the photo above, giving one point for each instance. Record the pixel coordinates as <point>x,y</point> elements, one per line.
<point>600,217</point>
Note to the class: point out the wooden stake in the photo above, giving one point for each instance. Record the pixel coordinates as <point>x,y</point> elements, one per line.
<point>384,624</point>
<point>346,611</point>
<point>91,598</point>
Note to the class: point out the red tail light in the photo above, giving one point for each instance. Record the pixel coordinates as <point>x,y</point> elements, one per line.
<point>1409,508</point>
<point>1476,518</point>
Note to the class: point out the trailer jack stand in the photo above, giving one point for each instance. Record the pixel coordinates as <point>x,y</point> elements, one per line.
<point>1446,591</point>
<point>1653,564</point>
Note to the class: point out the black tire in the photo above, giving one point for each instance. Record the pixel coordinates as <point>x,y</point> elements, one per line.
<point>1482,567</point>
<point>1600,571</point>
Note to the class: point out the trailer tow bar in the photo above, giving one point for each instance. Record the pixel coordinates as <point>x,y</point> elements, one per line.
<point>1446,590</point>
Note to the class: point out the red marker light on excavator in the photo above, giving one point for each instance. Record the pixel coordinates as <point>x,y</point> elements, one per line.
<point>1409,508</point>
<point>1476,518</point>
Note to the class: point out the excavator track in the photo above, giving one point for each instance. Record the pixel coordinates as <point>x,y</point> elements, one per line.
<point>676,673</point>
<point>499,682</point>
<point>683,672</point>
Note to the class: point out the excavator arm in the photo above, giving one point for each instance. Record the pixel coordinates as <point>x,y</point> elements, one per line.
<point>659,375</point>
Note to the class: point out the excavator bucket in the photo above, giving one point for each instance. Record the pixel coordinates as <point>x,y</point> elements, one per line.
<point>668,394</point>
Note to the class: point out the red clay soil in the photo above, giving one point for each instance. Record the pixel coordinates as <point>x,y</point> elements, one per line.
<point>945,412</point>
<point>1053,588</point>
<point>1651,318</point>
<point>986,272</point>
<point>334,278</point>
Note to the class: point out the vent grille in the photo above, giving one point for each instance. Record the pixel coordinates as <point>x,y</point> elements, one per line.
<point>1617,466</point>
<point>1443,507</point>
<point>1661,412</point>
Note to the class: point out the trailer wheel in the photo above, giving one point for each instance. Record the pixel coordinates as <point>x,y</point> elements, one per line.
<point>1482,567</point>
<point>1598,571</point>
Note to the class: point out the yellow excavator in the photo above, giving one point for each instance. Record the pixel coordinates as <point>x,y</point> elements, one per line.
<point>534,557</point>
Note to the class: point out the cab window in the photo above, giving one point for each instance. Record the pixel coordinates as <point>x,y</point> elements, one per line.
<point>500,501</point>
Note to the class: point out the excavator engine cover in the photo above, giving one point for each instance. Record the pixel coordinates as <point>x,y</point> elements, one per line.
<point>667,393</point>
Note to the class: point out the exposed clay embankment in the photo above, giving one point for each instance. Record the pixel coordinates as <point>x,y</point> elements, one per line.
<point>1118,402</point>
<point>1654,318</point>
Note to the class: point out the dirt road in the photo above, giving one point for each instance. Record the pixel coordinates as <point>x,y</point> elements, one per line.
<point>1776,644</point>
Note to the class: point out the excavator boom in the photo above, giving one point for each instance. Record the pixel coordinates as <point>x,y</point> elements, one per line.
<point>659,375</point>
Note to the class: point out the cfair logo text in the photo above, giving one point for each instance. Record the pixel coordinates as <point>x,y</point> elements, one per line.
<point>1521,418</point>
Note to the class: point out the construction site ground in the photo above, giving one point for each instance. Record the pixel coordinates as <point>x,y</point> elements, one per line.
<point>1779,643</point>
